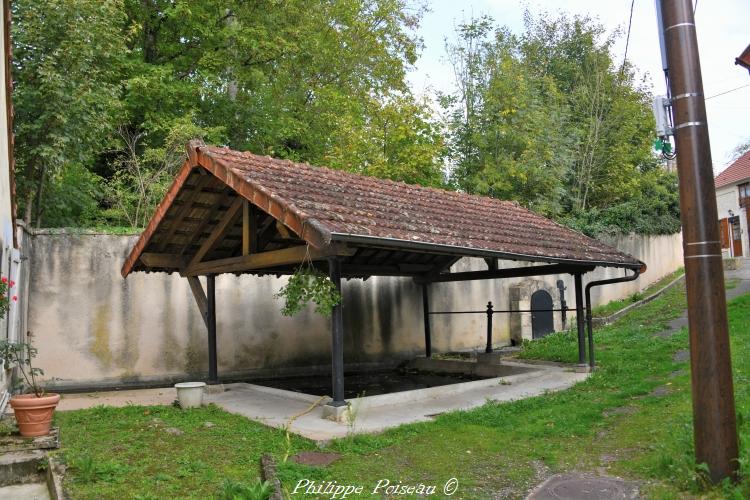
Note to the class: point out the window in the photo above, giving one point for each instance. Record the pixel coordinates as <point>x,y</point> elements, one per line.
<point>744,190</point>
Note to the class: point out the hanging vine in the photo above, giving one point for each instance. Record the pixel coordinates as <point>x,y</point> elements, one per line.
<point>306,285</point>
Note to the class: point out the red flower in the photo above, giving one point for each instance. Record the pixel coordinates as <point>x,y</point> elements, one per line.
<point>4,280</point>
<point>12,284</point>
<point>15,298</point>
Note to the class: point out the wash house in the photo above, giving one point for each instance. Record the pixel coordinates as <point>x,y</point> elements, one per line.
<point>236,212</point>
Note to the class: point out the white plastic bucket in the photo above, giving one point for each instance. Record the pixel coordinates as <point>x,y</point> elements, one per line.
<point>190,394</point>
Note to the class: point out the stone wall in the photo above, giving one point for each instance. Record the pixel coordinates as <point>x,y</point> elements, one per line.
<point>96,329</point>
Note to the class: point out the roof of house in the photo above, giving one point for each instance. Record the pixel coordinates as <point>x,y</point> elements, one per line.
<point>322,207</point>
<point>744,58</point>
<point>738,171</point>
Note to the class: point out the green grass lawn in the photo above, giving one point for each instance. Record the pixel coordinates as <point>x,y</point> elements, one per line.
<point>612,307</point>
<point>632,418</point>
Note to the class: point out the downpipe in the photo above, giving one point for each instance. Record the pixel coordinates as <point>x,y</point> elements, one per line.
<point>589,327</point>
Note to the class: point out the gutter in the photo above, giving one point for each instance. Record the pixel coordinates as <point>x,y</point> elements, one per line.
<point>471,251</point>
<point>589,286</point>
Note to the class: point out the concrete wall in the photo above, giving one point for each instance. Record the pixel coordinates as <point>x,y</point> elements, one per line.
<point>94,328</point>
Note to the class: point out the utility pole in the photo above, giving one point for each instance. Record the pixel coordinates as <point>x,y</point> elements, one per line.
<point>714,424</point>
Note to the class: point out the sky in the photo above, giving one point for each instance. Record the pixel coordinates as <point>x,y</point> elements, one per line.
<point>723,33</point>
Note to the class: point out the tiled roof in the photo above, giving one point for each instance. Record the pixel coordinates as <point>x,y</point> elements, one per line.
<point>734,173</point>
<point>324,206</point>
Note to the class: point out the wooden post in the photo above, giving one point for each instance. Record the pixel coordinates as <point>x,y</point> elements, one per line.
<point>714,420</point>
<point>337,338</point>
<point>213,376</point>
<point>426,318</point>
<point>580,319</point>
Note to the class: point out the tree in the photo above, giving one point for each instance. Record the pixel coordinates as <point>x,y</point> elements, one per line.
<point>321,81</point>
<point>68,56</point>
<point>547,118</point>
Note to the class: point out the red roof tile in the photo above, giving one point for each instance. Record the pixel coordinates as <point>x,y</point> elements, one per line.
<point>734,173</point>
<point>331,205</point>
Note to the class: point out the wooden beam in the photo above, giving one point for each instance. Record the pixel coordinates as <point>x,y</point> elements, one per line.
<point>430,276</point>
<point>200,297</point>
<point>283,230</point>
<point>264,260</point>
<point>205,220</point>
<point>513,272</point>
<point>224,224</point>
<point>165,260</point>
<point>183,211</point>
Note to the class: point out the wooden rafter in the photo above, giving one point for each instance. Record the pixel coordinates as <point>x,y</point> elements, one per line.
<point>224,224</point>
<point>205,221</point>
<point>183,212</point>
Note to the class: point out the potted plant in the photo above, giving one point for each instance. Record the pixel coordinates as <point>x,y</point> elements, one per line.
<point>34,409</point>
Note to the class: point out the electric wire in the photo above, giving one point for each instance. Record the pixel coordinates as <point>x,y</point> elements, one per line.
<point>728,91</point>
<point>627,39</point>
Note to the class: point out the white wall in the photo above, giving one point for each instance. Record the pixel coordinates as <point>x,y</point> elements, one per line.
<point>94,328</point>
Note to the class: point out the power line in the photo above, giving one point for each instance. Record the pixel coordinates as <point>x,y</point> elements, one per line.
<point>627,40</point>
<point>728,91</point>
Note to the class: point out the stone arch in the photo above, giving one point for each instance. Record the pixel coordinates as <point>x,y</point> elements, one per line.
<point>520,300</point>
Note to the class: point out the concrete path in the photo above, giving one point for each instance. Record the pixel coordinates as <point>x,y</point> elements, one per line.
<point>278,410</point>
<point>743,286</point>
<point>32,491</point>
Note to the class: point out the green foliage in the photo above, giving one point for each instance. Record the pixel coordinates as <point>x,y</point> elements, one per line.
<point>549,119</point>
<point>116,88</point>
<point>67,63</point>
<point>307,285</point>
<point>126,452</point>
<point>20,354</point>
<point>233,490</point>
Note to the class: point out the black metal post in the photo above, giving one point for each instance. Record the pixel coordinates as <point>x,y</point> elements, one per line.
<point>589,316</point>
<point>213,376</point>
<point>426,313</point>
<point>580,319</point>
<point>563,304</point>
<point>489,327</point>
<point>337,338</point>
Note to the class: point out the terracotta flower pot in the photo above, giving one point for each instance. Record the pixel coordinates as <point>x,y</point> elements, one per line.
<point>33,414</point>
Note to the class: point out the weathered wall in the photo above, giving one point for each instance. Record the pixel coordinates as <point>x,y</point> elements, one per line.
<point>94,328</point>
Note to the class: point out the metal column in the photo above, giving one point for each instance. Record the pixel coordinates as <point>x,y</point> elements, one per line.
<point>426,313</point>
<point>337,338</point>
<point>580,319</point>
<point>488,349</point>
<point>213,376</point>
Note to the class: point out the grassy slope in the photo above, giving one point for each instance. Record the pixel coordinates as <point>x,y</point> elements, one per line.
<point>615,305</point>
<point>610,423</point>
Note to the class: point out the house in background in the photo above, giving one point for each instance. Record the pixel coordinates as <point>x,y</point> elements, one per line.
<point>744,59</point>
<point>733,201</point>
